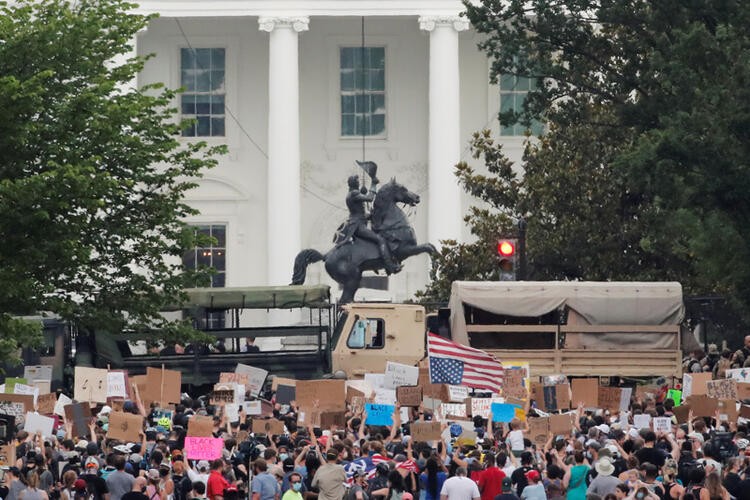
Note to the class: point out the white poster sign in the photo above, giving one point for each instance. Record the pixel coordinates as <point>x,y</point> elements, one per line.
<point>397,374</point>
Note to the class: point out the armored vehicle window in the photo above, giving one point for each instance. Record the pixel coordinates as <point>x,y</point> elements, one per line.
<point>367,333</point>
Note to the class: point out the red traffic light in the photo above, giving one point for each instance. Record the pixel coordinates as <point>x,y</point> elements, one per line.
<point>506,248</point>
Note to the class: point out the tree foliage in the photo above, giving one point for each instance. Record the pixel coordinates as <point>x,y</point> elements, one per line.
<point>92,174</point>
<point>642,173</point>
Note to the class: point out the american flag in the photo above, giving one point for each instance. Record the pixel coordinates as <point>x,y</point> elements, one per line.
<point>456,364</point>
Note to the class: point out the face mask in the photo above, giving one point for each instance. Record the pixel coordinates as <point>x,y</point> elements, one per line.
<point>283,456</point>
<point>297,486</point>
<point>639,495</point>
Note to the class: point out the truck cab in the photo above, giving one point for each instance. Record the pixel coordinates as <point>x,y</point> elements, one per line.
<point>368,335</point>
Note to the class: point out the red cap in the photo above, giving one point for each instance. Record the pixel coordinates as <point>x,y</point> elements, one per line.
<point>533,475</point>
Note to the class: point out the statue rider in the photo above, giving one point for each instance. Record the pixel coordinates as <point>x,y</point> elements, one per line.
<point>357,224</point>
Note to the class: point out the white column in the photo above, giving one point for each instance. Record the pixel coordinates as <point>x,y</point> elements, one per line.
<point>283,145</point>
<point>445,218</point>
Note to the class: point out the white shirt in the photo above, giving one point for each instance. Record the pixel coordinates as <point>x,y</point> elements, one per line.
<point>460,488</point>
<point>515,440</point>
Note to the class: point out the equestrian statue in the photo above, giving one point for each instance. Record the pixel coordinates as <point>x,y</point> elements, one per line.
<point>367,242</point>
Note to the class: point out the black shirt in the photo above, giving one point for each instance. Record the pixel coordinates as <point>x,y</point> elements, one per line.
<point>519,478</point>
<point>650,455</point>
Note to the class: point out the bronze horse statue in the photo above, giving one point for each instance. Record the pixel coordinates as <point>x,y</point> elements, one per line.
<point>346,262</point>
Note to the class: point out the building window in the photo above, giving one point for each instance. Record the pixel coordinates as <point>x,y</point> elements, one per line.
<point>211,256</point>
<point>513,91</point>
<point>362,77</point>
<point>202,75</point>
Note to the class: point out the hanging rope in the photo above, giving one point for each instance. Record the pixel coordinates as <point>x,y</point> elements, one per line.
<point>362,93</point>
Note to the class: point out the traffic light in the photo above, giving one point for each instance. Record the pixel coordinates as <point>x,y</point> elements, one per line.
<point>506,251</point>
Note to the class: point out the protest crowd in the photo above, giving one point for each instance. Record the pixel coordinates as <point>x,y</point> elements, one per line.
<point>402,434</point>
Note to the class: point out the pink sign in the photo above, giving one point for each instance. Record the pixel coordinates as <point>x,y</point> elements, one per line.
<point>203,448</point>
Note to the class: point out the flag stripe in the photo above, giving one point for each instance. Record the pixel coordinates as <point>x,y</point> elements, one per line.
<point>479,369</point>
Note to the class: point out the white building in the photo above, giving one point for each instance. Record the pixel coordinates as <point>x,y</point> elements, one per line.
<point>279,82</point>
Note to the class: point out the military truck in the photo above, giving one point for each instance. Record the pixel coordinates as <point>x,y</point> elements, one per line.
<point>625,329</point>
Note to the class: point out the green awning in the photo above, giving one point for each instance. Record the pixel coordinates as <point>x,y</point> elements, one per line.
<point>258,297</point>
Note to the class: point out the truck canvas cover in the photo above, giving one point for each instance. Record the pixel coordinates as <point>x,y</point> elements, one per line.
<point>258,297</point>
<point>593,303</point>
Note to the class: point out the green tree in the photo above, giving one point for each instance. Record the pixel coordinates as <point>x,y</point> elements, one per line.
<point>643,170</point>
<point>92,177</point>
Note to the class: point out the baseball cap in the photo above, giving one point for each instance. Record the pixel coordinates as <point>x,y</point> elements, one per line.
<point>533,475</point>
<point>507,484</point>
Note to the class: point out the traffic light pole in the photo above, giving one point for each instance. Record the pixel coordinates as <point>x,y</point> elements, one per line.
<point>521,276</point>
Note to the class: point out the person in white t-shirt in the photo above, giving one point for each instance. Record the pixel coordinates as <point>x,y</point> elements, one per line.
<point>459,487</point>
<point>515,437</point>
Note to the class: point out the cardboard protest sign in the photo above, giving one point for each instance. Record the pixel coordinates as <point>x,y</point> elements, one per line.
<point>285,394</point>
<point>117,386</point>
<point>37,372</point>
<point>62,402</point>
<point>222,396</point>
<point>409,395</point>
<point>560,424</point>
<point>695,384</point>
<point>41,386</point>
<point>739,374</point>
<point>35,422</point>
<point>162,386</point>
<point>722,389</point>
<point>482,406</point>
<point>642,421</point>
<point>662,424</point>
<point>256,377</point>
<point>329,394</point>
<point>743,391</point>
<point>728,410</point>
<point>330,419</point>
<point>203,448</point>
<point>453,410</point>
<point>252,407</point>
<point>681,413</point>
<point>703,406</point>
<point>539,430</point>
<point>277,381</point>
<point>379,414</point>
<point>586,391</point>
<point>90,384</point>
<point>609,398</point>
<point>125,427</point>
<point>237,378</point>
<point>309,417</point>
<point>556,397</point>
<point>397,374</point>
<point>269,427</point>
<point>23,399</point>
<point>357,405</point>
<point>457,393</point>
<point>503,412</point>
<point>357,388</point>
<point>745,411</point>
<point>45,403</point>
<point>425,431</point>
<point>80,415</point>
<point>514,383</point>
<point>384,396</point>
<point>200,426</point>
<point>430,390</point>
